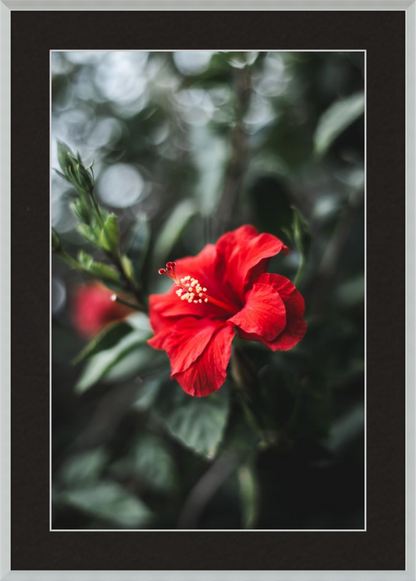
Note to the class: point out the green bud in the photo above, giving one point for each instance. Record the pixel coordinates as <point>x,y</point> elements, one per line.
<point>74,170</point>
<point>56,241</point>
<point>81,210</point>
<point>65,156</point>
<point>110,235</point>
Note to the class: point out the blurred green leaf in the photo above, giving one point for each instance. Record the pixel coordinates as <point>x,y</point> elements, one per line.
<point>347,429</point>
<point>104,340</point>
<point>138,246</point>
<point>351,293</point>
<point>249,494</point>
<point>143,359</point>
<point>148,393</point>
<point>198,422</point>
<point>109,502</point>
<point>101,363</point>
<point>151,461</point>
<point>336,119</point>
<point>84,467</point>
<point>172,231</point>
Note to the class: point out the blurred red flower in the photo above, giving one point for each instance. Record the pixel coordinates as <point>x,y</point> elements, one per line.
<point>223,289</point>
<point>93,309</point>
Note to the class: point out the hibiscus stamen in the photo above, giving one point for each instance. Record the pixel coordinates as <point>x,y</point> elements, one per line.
<point>191,290</point>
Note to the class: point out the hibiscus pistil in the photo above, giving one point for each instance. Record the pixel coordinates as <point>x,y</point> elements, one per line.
<point>191,290</point>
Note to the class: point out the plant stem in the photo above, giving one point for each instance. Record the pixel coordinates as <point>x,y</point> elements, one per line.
<point>118,299</point>
<point>301,268</point>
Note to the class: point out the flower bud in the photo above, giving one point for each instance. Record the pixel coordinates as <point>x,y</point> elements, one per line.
<point>74,171</point>
<point>93,309</point>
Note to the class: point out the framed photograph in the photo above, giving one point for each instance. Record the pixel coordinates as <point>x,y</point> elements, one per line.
<point>212,280</point>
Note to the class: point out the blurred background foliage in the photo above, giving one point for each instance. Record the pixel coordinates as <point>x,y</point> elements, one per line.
<point>187,145</point>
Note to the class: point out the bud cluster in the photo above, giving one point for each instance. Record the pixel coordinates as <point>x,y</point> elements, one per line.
<point>74,171</point>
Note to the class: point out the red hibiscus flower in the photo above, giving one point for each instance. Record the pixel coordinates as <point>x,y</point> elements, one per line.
<point>93,309</point>
<point>222,290</point>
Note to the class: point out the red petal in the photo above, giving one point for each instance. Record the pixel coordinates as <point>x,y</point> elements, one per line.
<point>295,308</point>
<point>264,313</point>
<point>238,252</point>
<point>202,267</point>
<point>185,340</point>
<point>295,305</point>
<point>208,372</point>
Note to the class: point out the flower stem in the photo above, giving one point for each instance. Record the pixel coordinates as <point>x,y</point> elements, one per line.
<point>118,299</point>
<point>243,375</point>
<point>301,268</point>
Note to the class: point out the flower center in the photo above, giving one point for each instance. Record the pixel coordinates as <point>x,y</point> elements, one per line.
<point>190,290</point>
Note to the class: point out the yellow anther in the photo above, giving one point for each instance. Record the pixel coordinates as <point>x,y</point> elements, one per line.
<point>204,289</point>
<point>205,300</point>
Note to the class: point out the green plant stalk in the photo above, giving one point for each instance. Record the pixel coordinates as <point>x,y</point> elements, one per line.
<point>118,299</point>
<point>115,257</point>
<point>244,390</point>
<point>300,271</point>
<point>75,264</point>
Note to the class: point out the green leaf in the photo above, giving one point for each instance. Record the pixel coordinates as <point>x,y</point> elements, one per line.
<point>109,502</point>
<point>104,271</point>
<point>150,460</point>
<point>141,360</point>
<point>128,267</point>
<point>148,393</point>
<point>138,246</point>
<point>301,238</point>
<point>110,235</point>
<point>249,495</point>
<point>101,363</point>
<point>197,422</point>
<point>172,231</point>
<point>81,210</point>
<point>84,467</point>
<point>109,337</point>
<point>87,232</point>
<point>336,119</point>
<point>97,269</point>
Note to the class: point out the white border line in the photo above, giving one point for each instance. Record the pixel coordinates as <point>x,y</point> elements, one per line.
<point>52,530</point>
